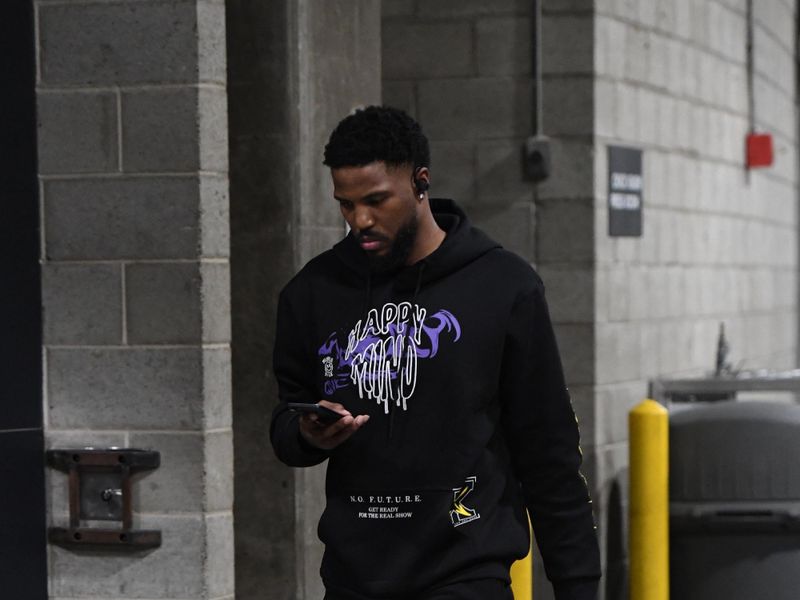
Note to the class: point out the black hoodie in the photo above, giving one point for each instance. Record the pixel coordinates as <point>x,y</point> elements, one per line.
<point>455,361</point>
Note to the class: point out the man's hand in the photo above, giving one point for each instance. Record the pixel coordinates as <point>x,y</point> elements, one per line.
<point>327,437</point>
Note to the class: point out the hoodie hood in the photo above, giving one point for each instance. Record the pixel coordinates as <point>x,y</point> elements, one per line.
<point>462,244</point>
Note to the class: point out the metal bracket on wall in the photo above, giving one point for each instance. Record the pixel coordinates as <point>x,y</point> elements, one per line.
<point>100,490</point>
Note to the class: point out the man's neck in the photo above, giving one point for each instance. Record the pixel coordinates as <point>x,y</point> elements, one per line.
<point>429,237</point>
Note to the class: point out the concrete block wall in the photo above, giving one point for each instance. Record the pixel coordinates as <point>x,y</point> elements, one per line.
<point>463,69</point>
<point>565,233</point>
<point>719,243</point>
<point>294,71</point>
<point>133,170</point>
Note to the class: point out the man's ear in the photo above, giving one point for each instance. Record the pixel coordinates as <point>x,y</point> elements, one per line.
<point>422,180</point>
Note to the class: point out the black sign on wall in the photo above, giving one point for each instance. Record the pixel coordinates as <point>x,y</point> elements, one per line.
<point>625,185</point>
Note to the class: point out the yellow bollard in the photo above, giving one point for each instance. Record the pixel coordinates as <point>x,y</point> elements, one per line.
<point>648,425</point>
<point>522,575</point>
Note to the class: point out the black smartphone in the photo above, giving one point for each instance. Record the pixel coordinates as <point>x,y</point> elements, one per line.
<point>326,415</point>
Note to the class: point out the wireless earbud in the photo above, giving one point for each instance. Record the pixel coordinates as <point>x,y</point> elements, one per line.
<point>420,184</point>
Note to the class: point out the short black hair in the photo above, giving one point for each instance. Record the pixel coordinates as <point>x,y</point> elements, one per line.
<point>377,133</point>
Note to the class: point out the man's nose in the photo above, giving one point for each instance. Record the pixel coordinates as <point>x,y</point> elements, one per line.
<point>364,218</point>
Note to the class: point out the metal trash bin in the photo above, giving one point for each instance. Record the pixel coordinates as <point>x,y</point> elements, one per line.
<point>735,502</point>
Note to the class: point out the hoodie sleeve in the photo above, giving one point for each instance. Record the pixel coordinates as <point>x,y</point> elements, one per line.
<point>290,364</point>
<point>542,434</point>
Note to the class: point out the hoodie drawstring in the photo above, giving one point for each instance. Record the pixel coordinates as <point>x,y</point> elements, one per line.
<point>417,287</point>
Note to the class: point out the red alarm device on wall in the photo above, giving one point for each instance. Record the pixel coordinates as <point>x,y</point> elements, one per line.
<point>759,150</point>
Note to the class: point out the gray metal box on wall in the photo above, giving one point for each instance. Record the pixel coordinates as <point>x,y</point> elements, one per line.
<point>735,501</point>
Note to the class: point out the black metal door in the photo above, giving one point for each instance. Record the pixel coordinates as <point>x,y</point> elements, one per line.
<point>23,557</point>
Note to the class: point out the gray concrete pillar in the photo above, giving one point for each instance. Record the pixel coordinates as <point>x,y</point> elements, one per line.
<point>134,186</point>
<point>295,68</point>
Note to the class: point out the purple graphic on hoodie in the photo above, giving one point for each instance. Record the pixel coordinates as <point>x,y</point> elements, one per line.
<point>383,349</point>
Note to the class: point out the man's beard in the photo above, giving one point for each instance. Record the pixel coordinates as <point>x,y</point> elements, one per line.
<point>399,251</point>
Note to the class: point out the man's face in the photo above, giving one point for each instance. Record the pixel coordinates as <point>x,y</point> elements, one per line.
<point>381,207</point>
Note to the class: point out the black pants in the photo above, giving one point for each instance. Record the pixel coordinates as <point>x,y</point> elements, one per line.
<point>479,589</point>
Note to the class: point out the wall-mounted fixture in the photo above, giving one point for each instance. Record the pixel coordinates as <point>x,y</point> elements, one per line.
<point>758,145</point>
<point>759,150</point>
<point>100,491</point>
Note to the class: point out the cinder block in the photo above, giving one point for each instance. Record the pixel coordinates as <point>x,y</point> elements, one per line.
<point>617,287</point>
<point>504,46</point>
<point>178,485</point>
<point>640,297</point>
<point>576,344</point>
<point>82,304</point>
<point>570,292</point>
<point>211,51</point>
<point>654,172</point>
<point>77,132</point>
<point>605,93</point>
<point>314,240</point>
<point>604,244</point>
<point>554,6</point>
<point>474,108</point>
<point>499,173</point>
<point>658,69</point>
<point>567,44</point>
<point>175,570</point>
<point>216,302</point>
<point>118,43</point>
<point>397,8</point>
<point>121,218</point>
<point>219,567</point>
<point>213,127</point>
<point>611,41</point>
<point>716,14</point>
<point>683,19</point>
<point>776,17</point>
<point>665,17</point>
<point>400,94</point>
<point>218,460</point>
<point>408,51</point>
<point>614,402</point>
<point>650,345</point>
<point>468,8</point>
<point>215,223</point>
<point>163,303</point>
<point>453,171</point>
<point>676,69</point>
<point>568,105</point>
<point>512,226</point>
<point>637,54</point>
<point>573,170</point>
<point>699,23</point>
<point>125,388</point>
<point>667,121</point>
<point>217,387</point>
<point>564,231</point>
<point>647,13</point>
<point>618,357</point>
<point>160,130</point>
<point>647,115</point>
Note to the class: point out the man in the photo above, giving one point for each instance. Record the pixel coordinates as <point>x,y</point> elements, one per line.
<point>435,346</point>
